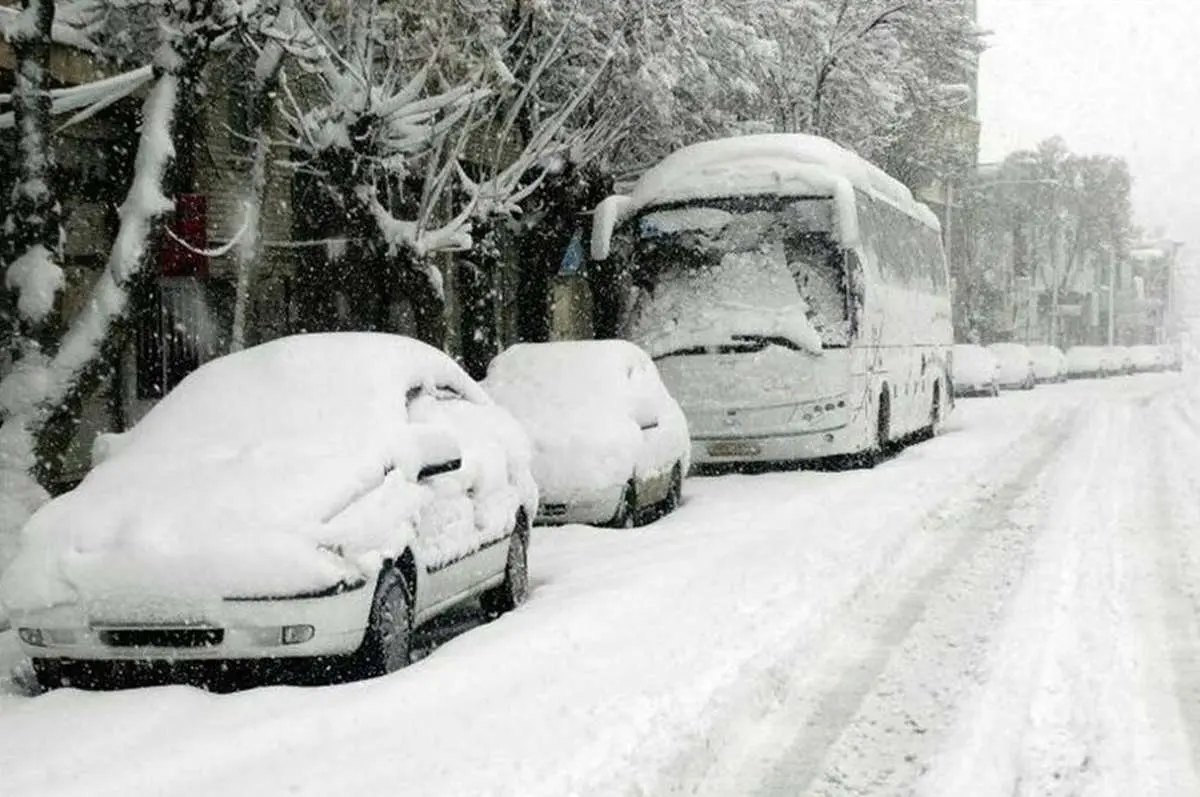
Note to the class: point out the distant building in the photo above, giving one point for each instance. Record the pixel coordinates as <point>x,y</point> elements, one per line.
<point>1144,302</point>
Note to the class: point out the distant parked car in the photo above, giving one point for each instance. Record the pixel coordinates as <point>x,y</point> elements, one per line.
<point>1171,355</point>
<point>1085,362</point>
<point>610,444</point>
<point>1049,363</point>
<point>1146,359</point>
<point>312,499</point>
<point>974,371</point>
<point>1115,361</point>
<point>1015,370</point>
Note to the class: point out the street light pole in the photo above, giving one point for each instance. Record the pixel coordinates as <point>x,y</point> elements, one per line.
<point>1112,292</point>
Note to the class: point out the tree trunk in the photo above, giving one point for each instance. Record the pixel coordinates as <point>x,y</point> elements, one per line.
<point>32,248</point>
<point>480,336</point>
<point>248,252</point>
<point>415,277</point>
<point>605,278</point>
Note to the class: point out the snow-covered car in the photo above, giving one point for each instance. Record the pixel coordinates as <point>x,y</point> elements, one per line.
<point>316,496</point>
<point>1170,357</point>
<point>974,371</point>
<point>1014,366</point>
<point>1085,362</point>
<point>610,444</point>
<point>1115,361</point>
<point>1049,363</point>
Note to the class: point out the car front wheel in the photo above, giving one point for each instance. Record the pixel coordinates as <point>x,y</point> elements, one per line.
<point>674,492</point>
<point>387,643</point>
<point>49,674</point>
<point>513,591</point>
<point>626,515</point>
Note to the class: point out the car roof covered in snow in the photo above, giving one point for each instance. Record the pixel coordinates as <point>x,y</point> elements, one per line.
<point>322,384</point>
<point>588,371</point>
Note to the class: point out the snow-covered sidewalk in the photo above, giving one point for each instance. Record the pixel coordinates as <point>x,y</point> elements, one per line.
<point>848,633</point>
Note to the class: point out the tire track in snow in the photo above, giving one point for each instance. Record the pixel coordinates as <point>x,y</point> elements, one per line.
<point>1177,522</point>
<point>1074,703</point>
<point>820,722</point>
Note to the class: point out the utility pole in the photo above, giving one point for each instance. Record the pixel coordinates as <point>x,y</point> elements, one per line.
<point>1112,292</point>
<point>948,245</point>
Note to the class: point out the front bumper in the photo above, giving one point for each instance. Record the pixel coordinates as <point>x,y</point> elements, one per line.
<point>716,451</point>
<point>966,391</point>
<point>234,629</point>
<point>594,509</point>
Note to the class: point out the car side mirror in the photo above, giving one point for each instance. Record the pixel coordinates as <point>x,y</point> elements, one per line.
<point>106,445</point>
<point>439,451</point>
<point>645,414</point>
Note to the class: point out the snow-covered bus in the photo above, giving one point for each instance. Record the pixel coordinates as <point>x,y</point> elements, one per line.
<point>794,297</point>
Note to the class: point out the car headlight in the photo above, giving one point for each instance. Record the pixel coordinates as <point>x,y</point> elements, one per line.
<point>32,636</point>
<point>296,634</point>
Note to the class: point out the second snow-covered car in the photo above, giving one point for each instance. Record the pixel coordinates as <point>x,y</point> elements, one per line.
<point>311,499</point>
<point>610,444</point>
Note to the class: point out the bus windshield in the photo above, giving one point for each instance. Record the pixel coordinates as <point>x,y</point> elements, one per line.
<point>738,275</point>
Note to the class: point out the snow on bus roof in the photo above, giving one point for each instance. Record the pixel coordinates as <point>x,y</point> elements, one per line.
<point>1148,253</point>
<point>769,164</point>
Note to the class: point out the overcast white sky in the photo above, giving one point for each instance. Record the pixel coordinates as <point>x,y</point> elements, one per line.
<point>1112,76</point>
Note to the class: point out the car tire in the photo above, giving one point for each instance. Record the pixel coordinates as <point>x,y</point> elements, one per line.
<point>387,643</point>
<point>53,674</point>
<point>674,491</point>
<point>883,429</point>
<point>935,412</point>
<point>513,591</point>
<point>626,515</point>
<point>49,674</point>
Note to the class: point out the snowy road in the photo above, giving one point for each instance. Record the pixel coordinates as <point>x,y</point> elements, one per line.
<point>1010,609</point>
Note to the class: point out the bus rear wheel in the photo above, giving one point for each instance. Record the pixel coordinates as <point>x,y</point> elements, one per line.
<point>935,414</point>
<point>883,430</point>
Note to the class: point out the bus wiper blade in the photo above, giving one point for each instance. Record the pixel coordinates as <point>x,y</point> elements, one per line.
<point>690,350</point>
<point>773,340</point>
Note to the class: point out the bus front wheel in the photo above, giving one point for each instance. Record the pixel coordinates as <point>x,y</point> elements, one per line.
<point>877,449</point>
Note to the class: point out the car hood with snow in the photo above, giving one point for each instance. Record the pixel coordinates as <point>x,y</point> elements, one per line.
<point>587,406</point>
<point>286,469</point>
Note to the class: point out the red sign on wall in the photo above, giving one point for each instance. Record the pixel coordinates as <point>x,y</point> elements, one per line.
<point>190,225</point>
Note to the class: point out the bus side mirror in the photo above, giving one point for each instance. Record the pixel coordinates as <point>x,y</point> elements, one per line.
<point>605,219</point>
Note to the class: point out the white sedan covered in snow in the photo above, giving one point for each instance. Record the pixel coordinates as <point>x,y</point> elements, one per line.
<point>610,444</point>
<point>311,499</point>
